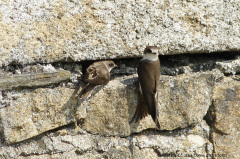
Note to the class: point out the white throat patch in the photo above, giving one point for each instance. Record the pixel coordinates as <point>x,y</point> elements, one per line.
<point>109,69</point>
<point>151,57</point>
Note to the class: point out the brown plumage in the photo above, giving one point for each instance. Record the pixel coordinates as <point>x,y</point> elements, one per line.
<point>96,74</point>
<point>149,75</point>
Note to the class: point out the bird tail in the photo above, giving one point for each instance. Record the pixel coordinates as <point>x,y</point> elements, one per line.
<point>141,111</point>
<point>156,113</point>
<point>87,91</point>
<point>157,123</point>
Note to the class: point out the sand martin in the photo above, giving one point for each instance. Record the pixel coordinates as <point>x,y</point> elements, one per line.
<point>149,75</point>
<point>96,74</point>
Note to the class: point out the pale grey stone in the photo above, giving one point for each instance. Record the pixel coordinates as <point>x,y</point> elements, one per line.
<point>189,141</point>
<point>50,31</point>
<point>229,67</point>
<point>34,80</point>
<point>67,143</point>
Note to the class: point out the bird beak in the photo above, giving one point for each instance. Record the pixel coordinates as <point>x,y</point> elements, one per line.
<point>115,66</point>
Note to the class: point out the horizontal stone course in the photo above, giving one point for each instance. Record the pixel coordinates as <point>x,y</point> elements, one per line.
<point>50,31</point>
<point>183,101</point>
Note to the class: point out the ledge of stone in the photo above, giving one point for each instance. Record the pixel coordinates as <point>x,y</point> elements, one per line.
<point>91,30</point>
<point>229,67</point>
<point>33,80</point>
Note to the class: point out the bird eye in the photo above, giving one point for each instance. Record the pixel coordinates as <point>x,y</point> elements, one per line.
<point>110,64</point>
<point>149,50</point>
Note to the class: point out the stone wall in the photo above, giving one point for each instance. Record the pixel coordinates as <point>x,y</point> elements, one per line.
<point>46,46</point>
<point>49,31</point>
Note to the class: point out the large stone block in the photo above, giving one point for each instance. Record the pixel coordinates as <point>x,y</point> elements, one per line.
<point>183,101</point>
<point>32,112</point>
<point>226,146</point>
<point>108,110</point>
<point>49,31</point>
<point>226,118</point>
<point>226,104</point>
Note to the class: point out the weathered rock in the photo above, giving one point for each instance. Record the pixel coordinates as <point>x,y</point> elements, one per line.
<point>184,143</point>
<point>142,153</point>
<point>33,80</point>
<point>226,104</point>
<point>52,144</point>
<point>226,146</point>
<point>33,69</point>
<point>68,143</point>
<point>225,118</point>
<point>108,109</point>
<point>183,101</point>
<point>33,112</point>
<point>232,67</point>
<point>49,31</point>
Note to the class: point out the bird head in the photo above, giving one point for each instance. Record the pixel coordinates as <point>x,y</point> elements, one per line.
<point>150,53</point>
<point>110,64</point>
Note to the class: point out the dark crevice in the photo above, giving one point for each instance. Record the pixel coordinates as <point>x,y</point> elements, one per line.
<point>210,117</point>
<point>170,64</point>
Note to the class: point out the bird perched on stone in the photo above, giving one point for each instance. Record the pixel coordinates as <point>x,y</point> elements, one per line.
<point>149,75</point>
<point>96,74</point>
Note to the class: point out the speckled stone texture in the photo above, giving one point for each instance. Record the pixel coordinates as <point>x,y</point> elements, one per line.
<point>225,110</point>
<point>70,30</point>
<point>69,143</point>
<point>109,110</point>
<point>46,45</point>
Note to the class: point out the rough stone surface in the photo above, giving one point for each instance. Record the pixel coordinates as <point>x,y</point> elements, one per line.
<point>111,117</point>
<point>33,80</point>
<point>183,101</point>
<point>184,94</point>
<point>32,112</point>
<point>226,105</point>
<point>226,146</point>
<point>29,113</point>
<point>71,143</point>
<point>40,116</point>
<point>230,67</point>
<point>50,31</point>
<point>187,143</point>
<point>226,117</point>
<point>38,122</point>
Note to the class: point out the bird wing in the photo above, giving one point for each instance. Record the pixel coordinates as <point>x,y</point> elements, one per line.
<point>149,71</point>
<point>141,110</point>
<point>87,91</point>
